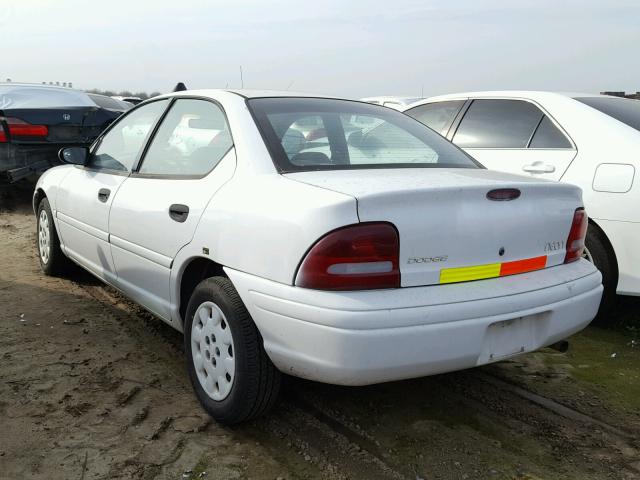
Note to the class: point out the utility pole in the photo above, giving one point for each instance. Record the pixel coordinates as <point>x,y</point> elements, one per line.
<point>241,79</point>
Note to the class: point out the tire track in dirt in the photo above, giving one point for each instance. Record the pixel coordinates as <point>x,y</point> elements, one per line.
<point>323,434</point>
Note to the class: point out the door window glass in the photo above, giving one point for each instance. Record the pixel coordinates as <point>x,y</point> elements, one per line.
<point>437,116</point>
<point>549,136</point>
<point>498,124</point>
<point>120,147</point>
<point>192,139</point>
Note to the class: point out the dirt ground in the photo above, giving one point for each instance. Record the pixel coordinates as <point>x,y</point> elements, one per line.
<point>92,387</point>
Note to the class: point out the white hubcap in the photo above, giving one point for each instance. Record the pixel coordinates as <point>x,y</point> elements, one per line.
<point>44,243</point>
<point>213,351</point>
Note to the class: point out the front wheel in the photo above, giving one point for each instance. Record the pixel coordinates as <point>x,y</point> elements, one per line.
<point>230,372</point>
<point>52,261</point>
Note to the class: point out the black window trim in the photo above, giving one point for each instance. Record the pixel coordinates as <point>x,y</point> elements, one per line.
<point>573,147</point>
<point>162,176</point>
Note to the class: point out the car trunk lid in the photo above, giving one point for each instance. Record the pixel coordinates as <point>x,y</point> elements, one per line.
<point>450,231</point>
<point>78,125</point>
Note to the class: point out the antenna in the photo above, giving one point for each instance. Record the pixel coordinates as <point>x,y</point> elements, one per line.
<point>241,79</point>
<point>422,91</point>
<point>290,84</point>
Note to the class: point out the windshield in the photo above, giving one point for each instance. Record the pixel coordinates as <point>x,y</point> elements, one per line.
<point>324,134</point>
<point>28,96</point>
<point>625,110</point>
<point>110,103</point>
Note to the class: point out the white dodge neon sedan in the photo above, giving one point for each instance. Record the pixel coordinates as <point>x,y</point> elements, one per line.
<point>592,141</point>
<point>349,256</point>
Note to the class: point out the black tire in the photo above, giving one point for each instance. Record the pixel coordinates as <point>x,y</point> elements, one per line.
<point>55,263</point>
<point>601,254</point>
<point>256,384</point>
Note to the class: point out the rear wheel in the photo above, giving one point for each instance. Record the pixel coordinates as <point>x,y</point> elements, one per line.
<point>231,374</point>
<point>52,261</point>
<point>598,251</point>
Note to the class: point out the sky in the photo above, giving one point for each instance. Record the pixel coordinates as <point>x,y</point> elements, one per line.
<point>349,48</point>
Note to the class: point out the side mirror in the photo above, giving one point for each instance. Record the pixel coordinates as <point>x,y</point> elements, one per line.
<point>74,155</point>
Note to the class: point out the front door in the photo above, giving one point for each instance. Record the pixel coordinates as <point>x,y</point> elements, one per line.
<point>86,194</point>
<point>158,207</point>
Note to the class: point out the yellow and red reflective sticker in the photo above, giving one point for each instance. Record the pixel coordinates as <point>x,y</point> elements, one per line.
<point>491,270</point>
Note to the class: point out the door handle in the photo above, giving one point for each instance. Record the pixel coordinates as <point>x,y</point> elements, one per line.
<point>178,212</point>
<point>103,194</point>
<point>539,167</point>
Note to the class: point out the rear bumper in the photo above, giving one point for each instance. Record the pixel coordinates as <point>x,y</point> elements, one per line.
<point>359,338</point>
<point>19,161</point>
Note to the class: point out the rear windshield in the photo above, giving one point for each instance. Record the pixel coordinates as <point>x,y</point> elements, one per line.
<point>625,110</point>
<point>324,134</point>
<point>27,96</point>
<point>110,103</point>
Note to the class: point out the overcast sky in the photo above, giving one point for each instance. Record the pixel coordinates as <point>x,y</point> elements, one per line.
<point>348,48</point>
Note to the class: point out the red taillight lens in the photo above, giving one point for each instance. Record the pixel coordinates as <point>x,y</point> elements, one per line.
<point>357,257</point>
<point>3,136</point>
<point>20,128</point>
<point>577,234</point>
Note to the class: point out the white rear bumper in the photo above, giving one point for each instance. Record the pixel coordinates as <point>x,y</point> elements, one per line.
<point>359,338</point>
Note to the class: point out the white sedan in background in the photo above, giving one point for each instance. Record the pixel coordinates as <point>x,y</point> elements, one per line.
<point>397,103</point>
<point>592,141</point>
<point>350,258</point>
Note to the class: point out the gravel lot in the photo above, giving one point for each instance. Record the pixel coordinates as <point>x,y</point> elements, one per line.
<point>94,387</point>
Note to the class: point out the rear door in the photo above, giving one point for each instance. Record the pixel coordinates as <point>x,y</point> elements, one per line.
<point>514,136</point>
<point>86,194</point>
<point>158,207</point>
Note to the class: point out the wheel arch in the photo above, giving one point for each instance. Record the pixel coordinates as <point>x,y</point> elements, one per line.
<point>593,224</point>
<point>194,271</point>
<point>38,195</point>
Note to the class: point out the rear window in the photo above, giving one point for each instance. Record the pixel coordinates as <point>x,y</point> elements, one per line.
<point>625,110</point>
<point>110,103</point>
<point>23,96</point>
<point>325,134</point>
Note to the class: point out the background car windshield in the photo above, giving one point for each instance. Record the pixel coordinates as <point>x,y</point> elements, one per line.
<point>623,109</point>
<point>324,134</point>
<point>27,96</point>
<point>110,103</point>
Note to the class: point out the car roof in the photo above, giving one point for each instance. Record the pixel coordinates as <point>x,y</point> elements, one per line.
<point>390,98</point>
<point>531,94</point>
<point>276,93</point>
<point>247,93</point>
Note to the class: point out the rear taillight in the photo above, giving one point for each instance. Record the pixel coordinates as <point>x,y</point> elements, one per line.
<point>20,128</point>
<point>357,257</point>
<point>577,234</point>
<point>3,136</point>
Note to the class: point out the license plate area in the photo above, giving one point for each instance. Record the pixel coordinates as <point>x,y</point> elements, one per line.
<point>507,338</point>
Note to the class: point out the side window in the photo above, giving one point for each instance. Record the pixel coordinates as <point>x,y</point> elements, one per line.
<point>119,148</point>
<point>437,116</point>
<point>498,124</point>
<point>193,137</point>
<point>549,136</point>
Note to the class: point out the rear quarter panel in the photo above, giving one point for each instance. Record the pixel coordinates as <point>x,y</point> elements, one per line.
<point>263,225</point>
